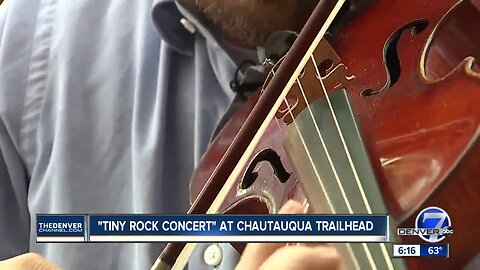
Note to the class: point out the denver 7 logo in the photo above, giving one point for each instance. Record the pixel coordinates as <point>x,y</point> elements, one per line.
<point>437,220</point>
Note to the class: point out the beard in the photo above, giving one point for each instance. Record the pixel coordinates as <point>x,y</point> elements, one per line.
<point>249,23</point>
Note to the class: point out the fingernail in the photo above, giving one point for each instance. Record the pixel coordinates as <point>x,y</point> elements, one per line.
<point>291,207</point>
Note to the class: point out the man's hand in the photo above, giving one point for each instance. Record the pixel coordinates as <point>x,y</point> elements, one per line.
<point>278,256</point>
<point>28,261</point>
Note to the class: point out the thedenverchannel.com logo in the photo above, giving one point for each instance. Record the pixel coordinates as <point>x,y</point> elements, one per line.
<point>433,224</point>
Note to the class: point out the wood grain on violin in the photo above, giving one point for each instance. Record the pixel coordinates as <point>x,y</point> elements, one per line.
<point>409,71</point>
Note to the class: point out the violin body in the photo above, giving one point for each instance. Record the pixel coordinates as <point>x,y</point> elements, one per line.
<point>409,69</point>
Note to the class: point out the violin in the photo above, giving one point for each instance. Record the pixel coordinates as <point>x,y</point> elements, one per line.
<point>381,116</point>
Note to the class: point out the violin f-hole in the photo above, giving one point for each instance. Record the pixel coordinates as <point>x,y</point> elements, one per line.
<point>390,55</point>
<point>270,156</point>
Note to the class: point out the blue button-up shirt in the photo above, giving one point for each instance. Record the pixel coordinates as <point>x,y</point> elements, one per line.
<point>105,107</point>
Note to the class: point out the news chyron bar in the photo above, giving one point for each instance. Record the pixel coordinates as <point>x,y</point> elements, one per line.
<point>213,228</point>
<point>433,225</point>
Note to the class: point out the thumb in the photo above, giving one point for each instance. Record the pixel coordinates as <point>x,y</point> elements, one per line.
<point>28,261</point>
<point>257,253</point>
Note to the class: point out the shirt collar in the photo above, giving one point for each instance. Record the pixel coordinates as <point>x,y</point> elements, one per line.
<point>167,20</point>
<point>169,17</point>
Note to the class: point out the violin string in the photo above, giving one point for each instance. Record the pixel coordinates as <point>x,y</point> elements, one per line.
<point>347,152</point>
<point>342,138</point>
<point>317,175</point>
<point>310,159</point>
<point>371,261</point>
<point>327,152</point>
<point>305,205</point>
<point>305,201</point>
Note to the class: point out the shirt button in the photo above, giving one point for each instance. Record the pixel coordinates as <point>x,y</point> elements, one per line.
<point>188,25</point>
<point>213,255</point>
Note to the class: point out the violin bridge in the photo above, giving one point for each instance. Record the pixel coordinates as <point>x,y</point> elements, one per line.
<point>324,69</point>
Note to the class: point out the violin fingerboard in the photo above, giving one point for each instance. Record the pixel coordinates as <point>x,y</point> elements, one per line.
<point>336,175</point>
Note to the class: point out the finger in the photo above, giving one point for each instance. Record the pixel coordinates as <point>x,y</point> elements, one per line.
<point>291,207</point>
<point>28,261</point>
<point>308,244</point>
<point>256,253</point>
<point>305,258</point>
